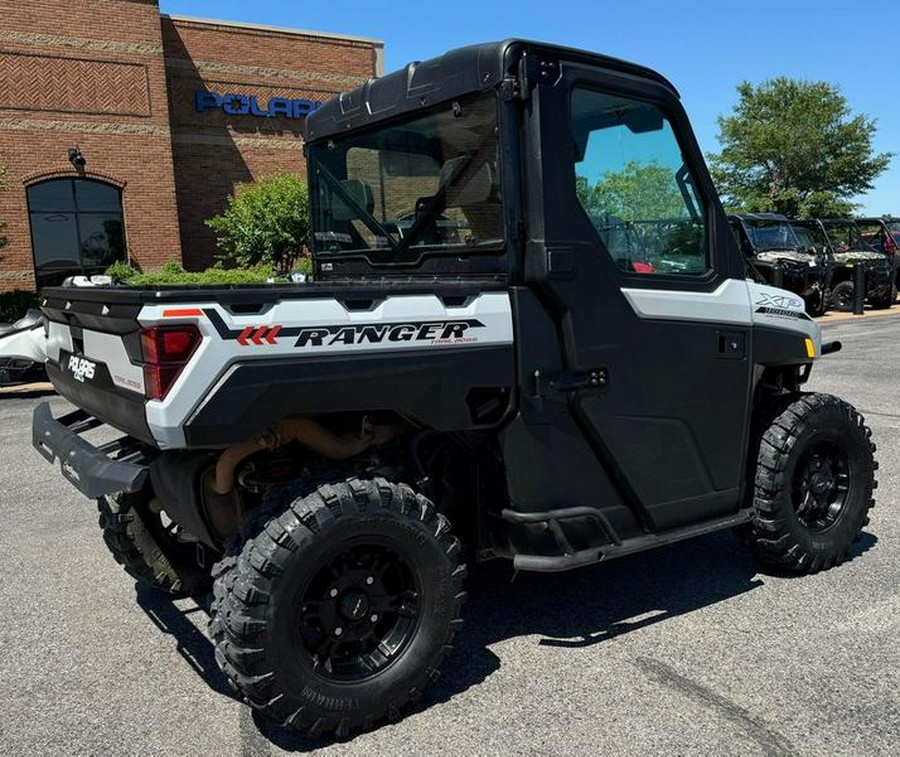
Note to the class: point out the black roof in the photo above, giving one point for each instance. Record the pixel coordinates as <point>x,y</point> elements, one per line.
<point>455,73</point>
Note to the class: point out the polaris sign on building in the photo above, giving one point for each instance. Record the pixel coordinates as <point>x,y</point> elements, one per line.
<point>248,105</point>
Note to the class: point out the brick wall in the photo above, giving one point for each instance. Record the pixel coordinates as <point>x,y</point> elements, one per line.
<point>90,74</point>
<point>118,81</point>
<point>214,151</point>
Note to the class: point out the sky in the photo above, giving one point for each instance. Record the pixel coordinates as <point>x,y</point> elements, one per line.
<point>704,48</point>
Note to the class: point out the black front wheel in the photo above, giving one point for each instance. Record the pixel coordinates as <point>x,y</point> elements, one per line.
<point>815,474</point>
<point>341,609</point>
<point>816,304</point>
<point>842,296</point>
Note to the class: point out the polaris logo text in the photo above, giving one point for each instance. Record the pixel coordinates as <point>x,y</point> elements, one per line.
<point>81,369</point>
<point>435,332</point>
<point>235,104</point>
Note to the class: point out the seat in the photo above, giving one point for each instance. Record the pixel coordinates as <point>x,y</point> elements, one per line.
<point>27,321</point>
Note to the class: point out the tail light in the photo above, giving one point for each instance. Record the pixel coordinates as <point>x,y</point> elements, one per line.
<point>166,350</point>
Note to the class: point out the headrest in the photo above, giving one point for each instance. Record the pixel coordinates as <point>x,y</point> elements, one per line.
<point>360,192</point>
<point>472,186</point>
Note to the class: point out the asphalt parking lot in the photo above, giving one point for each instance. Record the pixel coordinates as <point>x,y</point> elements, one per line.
<point>686,650</point>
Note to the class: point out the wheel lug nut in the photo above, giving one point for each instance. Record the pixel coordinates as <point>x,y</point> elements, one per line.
<point>333,593</point>
<point>370,581</point>
<point>338,631</point>
<point>374,618</point>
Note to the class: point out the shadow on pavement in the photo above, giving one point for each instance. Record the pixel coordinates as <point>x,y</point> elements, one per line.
<point>574,609</point>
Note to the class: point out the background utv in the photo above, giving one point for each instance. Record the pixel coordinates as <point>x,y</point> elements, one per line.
<point>490,363</point>
<point>773,249</point>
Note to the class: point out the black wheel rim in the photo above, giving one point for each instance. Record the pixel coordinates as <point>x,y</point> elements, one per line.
<point>821,484</point>
<point>359,612</point>
<point>844,297</point>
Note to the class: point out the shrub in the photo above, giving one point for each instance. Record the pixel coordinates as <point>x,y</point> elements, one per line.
<point>173,273</point>
<point>266,222</point>
<point>13,305</point>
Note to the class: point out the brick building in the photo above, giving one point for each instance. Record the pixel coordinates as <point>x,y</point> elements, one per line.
<point>122,130</point>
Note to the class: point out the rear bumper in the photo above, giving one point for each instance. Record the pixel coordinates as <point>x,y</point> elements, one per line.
<point>117,466</point>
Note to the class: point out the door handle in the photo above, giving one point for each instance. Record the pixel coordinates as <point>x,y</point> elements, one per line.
<point>731,345</point>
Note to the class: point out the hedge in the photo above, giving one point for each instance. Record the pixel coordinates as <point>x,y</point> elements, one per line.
<point>173,273</point>
<point>13,305</point>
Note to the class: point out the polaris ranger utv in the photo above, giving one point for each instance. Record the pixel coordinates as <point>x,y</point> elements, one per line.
<point>478,370</point>
<point>771,245</point>
<point>845,246</point>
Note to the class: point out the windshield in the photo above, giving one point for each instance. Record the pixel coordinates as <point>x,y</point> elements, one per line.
<point>893,226</point>
<point>767,234</point>
<point>845,236</point>
<point>804,237</point>
<point>428,183</point>
<point>810,234</point>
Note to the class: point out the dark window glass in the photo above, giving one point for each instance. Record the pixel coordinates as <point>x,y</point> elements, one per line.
<point>93,195</point>
<point>76,228</point>
<point>51,195</point>
<point>425,183</point>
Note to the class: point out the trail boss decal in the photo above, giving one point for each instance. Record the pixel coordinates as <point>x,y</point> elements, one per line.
<point>81,369</point>
<point>780,305</point>
<point>436,332</point>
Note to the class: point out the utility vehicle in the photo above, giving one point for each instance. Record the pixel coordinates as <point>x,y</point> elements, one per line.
<point>771,245</point>
<point>479,370</point>
<point>882,235</point>
<point>22,353</point>
<point>848,249</point>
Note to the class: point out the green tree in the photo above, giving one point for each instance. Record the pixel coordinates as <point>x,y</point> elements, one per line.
<point>639,192</point>
<point>266,222</point>
<point>795,147</point>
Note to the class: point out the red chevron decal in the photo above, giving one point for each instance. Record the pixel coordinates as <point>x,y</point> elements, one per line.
<point>258,335</point>
<point>242,337</point>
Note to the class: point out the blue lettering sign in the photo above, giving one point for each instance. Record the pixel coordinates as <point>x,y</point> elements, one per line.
<point>207,101</point>
<point>235,104</point>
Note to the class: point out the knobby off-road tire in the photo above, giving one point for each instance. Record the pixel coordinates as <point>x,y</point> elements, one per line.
<point>842,296</point>
<point>816,305</point>
<point>815,475</point>
<point>339,611</point>
<point>886,300</point>
<point>147,550</point>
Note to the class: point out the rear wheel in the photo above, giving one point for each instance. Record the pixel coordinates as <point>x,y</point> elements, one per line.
<point>815,475</point>
<point>341,610</point>
<point>150,549</point>
<point>886,300</point>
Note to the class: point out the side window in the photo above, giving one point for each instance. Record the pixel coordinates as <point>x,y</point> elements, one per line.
<point>871,235</point>
<point>635,186</point>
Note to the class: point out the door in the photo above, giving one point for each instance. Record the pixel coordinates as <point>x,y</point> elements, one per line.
<point>632,255</point>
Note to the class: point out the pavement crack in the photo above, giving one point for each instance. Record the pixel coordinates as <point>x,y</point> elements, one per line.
<point>772,742</point>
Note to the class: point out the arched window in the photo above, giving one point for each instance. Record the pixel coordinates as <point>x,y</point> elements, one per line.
<point>76,228</point>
